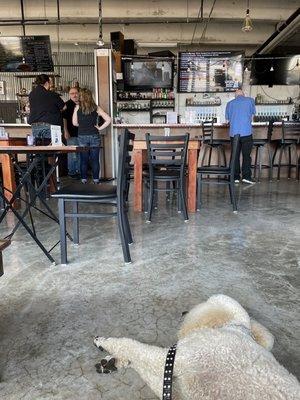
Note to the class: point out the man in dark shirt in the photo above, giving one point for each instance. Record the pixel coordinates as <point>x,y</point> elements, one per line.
<point>71,132</point>
<point>45,108</point>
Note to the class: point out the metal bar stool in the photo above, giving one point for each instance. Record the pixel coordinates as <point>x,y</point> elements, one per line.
<point>290,138</point>
<point>259,145</point>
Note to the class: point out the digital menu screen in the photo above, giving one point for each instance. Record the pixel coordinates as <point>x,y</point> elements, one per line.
<point>25,54</point>
<point>215,71</point>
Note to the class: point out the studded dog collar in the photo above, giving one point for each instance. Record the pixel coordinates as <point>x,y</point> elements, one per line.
<point>168,373</point>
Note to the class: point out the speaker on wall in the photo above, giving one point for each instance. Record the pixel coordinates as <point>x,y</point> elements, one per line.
<point>117,41</point>
<point>129,47</point>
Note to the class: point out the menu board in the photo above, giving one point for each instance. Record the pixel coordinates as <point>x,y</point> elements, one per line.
<point>25,54</point>
<point>215,71</point>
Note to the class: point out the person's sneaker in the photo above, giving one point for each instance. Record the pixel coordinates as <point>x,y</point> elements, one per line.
<point>83,180</point>
<point>96,181</point>
<point>236,181</point>
<point>248,181</point>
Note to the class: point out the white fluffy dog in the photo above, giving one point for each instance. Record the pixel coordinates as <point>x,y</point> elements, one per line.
<point>221,355</point>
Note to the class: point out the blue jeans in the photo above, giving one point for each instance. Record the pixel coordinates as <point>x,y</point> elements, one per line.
<point>41,132</point>
<point>73,158</point>
<point>42,136</point>
<point>92,155</point>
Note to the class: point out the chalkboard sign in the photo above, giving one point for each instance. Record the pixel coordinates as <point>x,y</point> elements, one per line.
<point>25,54</point>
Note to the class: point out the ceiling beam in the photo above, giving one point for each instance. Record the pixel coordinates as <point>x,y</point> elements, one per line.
<point>124,21</point>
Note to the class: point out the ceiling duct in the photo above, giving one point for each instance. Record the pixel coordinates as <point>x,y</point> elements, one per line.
<point>290,26</point>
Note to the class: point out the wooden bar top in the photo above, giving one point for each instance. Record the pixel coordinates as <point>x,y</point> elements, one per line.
<point>41,149</point>
<point>217,125</point>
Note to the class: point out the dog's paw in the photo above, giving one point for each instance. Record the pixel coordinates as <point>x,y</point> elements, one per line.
<point>106,365</point>
<point>97,341</point>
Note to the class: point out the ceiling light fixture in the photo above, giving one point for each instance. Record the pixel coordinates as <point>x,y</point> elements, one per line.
<point>247,25</point>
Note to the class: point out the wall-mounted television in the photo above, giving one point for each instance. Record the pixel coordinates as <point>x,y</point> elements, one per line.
<point>145,74</point>
<point>25,54</point>
<point>210,71</point>
<point>275,70</point>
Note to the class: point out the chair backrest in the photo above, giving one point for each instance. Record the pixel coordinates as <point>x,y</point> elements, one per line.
<point>234,154</point>
<point>125,147</point>
<point>167,151</point>
<point>208,131</point>
<point>290,130</point>
<point>270,130</point>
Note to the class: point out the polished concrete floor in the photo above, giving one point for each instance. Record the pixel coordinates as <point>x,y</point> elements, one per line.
<point>49,314</point>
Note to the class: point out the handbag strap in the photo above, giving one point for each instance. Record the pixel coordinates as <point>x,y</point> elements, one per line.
<point>168,373</point>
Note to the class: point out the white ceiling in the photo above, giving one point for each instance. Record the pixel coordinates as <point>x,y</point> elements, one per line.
<point>156,21</point>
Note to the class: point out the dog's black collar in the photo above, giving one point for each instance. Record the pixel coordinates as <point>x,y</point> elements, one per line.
<point>168,373</point>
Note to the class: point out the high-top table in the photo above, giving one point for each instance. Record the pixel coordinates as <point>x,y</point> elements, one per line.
<point>140,157</point>
<point>8,173</point>
<point>33,156</point>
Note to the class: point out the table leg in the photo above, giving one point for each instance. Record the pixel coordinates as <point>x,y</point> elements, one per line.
<point>138,180</point>
<point>192,179</point>
<point>9,181</point>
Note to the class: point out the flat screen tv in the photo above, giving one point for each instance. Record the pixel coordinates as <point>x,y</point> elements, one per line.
<point>25,54</point>
<point>145,74</point>
<point>275,70</point>
<point>213,71</point>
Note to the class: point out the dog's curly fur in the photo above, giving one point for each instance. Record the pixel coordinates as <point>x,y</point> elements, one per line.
<point>221,354</point>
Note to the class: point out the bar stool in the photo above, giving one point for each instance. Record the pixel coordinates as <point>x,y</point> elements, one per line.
<point>211,143</point>
<point>259,145</point>
<point>289,140</point>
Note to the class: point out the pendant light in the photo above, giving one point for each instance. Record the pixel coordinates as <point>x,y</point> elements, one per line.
<point>247,25</point>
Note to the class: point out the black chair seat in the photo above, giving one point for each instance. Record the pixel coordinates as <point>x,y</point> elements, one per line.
<point>259,142</point>
<point>87,191</point>
<point>164,175</point>
<point>216,142</point>
<point>213,169</point>
<point>286,141</point>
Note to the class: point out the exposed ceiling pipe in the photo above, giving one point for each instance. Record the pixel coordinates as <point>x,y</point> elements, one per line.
<point>58,11</point>
<point>199,19</point>
<point>208,20</point>
<point>23,17</point>
<point>287,28</point>
<point>58,34</point>
<point>100,42</point>
<point>108,21</point>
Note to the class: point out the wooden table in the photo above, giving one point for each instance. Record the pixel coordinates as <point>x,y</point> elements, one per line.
<point>8,173</point>
<point>140,158</point>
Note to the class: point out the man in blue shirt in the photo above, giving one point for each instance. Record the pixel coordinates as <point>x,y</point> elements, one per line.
<point>239,112</point>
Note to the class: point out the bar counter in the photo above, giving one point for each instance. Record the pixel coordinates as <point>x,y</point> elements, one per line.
<point>221,131</point>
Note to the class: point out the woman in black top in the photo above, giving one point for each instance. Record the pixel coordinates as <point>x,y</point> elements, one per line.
<point>91,120</point>
<point>45,108</point>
